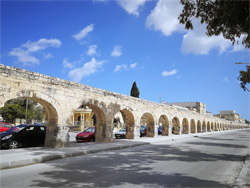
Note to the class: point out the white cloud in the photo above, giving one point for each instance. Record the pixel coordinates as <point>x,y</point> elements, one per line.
<point>225,80</point>
<point>41,44</point>
<point>132,66</point>
<point>131,6</point>
<point>25,53</point>
<point>84,32</point>
<point>164,17</point>
<point>198,43</point>
<point>120,68</point>
<point>67,64</point>
<point>117,51</point>
<point>166,73</point>
<point>48,56</point>
<point>92,50</point>
<point>239,47</point>
<point>87,69</point>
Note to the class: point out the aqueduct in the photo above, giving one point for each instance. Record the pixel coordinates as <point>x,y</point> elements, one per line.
<point>60,98</point>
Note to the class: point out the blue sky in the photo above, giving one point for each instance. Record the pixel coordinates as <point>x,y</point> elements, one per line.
<point>111,44</point>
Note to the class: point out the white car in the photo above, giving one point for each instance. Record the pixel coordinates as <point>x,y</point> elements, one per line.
<point>121,133</point>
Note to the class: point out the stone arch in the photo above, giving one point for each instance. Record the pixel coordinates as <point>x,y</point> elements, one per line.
<point>165,125</point>
<point>176,126</point>
<point>192,126</point>
<point>129,122</point>
<point>208,127</point>
<point>199,126</point>
<point>185,126</point>
<point>103,131</point>
<point>54,127</point>
<point>148,120</point>
<point>204,128</point>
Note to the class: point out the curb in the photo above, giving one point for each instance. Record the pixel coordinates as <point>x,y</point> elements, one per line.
<point>35,160</point>
<point>243,180</point>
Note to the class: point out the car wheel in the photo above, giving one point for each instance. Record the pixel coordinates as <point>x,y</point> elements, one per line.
<point>13,144</point>
<point>92,139</point>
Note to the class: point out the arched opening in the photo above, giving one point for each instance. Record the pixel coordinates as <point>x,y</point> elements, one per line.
<point>164,122</point>
<point>185,126</point>
<point>95,112</point>
<point>198,126</point>
<point>176,126</point>
<point>208,127</point>
<point>215,127</point>
<point>204,129</point>
<point>148,121</point>
<point>129,123</point>
<point>50,118</point>
<point>192,126</point>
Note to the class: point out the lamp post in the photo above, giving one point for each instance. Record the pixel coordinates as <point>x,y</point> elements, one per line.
<point>240,63</point>
<point>26,114</point>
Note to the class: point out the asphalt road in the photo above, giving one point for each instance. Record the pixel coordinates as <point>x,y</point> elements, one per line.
<point>207,161</point>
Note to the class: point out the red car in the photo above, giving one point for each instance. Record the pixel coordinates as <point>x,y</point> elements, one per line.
<point>5,126</point>
<point>88,135</point>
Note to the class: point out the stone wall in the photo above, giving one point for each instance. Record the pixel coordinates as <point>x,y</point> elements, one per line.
<point>61,98</point>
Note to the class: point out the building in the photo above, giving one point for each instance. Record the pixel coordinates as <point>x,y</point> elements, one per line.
<point>199,107</point>
<point>230,115</point>
<point>83,118</point>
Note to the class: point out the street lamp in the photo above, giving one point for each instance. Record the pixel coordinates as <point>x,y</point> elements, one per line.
<point>241,63</point>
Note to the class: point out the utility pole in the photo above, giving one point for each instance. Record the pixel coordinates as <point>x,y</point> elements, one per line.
<point>27,101</point>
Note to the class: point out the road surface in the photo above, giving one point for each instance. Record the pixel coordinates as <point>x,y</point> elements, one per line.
<point>214,160</point>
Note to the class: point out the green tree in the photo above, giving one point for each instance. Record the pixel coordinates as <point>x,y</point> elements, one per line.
<point>16,108</point>
<point>245,78</point>
<point>230,18</point>
<point>135,91</point>
<point>11,111</point>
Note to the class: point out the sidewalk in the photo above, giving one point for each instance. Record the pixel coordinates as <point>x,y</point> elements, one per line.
<point>27,156</point>
<point>12,158</point>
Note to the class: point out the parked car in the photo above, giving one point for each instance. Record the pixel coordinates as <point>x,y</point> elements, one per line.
<point>143,130</point>
<point>5,126</point>
<point>88,135</point>
<point>160,130</point>
<point>121,133</point>
<point>23,135</point>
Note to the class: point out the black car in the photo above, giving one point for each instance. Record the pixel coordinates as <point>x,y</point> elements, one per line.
<point>160,130</point>
<point>143,130</point>
<point>23,135</point>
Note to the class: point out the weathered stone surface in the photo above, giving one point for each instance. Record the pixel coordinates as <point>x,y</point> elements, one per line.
<point>61,98</point>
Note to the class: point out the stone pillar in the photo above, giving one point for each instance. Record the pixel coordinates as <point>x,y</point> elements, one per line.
<point>56,136</point>
<point>104,133</point>
<point>170,129</point>
<point>130,130</point>
<point>82,128</point>
<point>181,129</point>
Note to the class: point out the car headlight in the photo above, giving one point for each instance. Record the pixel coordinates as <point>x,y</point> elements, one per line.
<point>6,137</point>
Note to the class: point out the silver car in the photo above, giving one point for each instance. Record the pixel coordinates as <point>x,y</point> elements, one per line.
<point>121,133</point>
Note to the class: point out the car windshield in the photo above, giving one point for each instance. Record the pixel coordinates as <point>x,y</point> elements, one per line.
<point>123,130</point>
<point>90,130</point>
<point>17,128</point>
<point>142,128</point>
